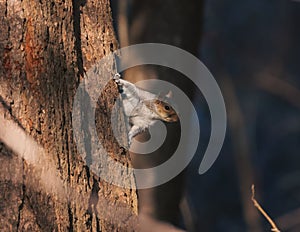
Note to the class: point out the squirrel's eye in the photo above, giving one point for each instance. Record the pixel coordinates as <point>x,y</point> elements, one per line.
<point>167,107</point>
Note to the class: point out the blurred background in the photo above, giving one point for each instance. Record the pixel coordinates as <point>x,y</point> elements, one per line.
<point>252,49</point>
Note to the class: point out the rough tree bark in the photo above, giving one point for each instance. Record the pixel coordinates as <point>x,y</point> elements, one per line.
<point>45,47</point>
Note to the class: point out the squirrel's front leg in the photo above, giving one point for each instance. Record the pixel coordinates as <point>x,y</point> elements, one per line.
<point>125,86</point>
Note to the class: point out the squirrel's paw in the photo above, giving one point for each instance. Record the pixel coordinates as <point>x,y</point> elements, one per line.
<point>117,77</point>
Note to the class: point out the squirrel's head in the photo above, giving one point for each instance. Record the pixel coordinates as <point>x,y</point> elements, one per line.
<point>165,111</point>
<point>162,109</point>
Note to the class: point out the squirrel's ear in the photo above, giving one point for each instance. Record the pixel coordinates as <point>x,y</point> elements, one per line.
<point>160,96</point>
<point>169,94</point>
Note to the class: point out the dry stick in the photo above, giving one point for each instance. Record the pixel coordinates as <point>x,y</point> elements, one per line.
<point>262,211</point>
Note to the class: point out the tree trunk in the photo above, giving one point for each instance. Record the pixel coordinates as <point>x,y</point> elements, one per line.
<point>45,48</point>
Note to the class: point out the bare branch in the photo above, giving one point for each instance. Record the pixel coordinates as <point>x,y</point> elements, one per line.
<point>262,211</point>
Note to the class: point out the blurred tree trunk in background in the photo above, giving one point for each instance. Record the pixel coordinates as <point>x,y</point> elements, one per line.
<point>177,23</point>
<point>45,47</point>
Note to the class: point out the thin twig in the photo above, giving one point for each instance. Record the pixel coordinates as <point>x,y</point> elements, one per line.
<point>262,211</point>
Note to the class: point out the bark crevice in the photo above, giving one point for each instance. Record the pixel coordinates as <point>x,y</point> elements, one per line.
<point>77,33</point>
<point>21,206</point>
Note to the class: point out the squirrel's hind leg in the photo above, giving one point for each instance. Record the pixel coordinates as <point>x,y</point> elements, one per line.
<point>134,131</point>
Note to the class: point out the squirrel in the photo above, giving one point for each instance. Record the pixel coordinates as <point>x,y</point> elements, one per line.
<point>143,108</point>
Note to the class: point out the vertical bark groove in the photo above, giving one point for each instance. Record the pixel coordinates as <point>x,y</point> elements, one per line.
<point>77,33</point>
<point>23,194</point>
